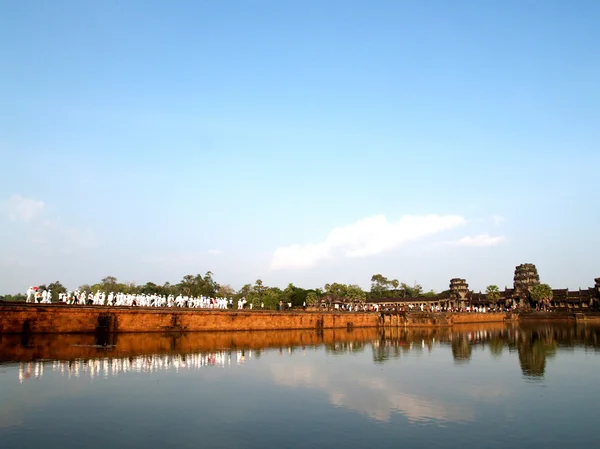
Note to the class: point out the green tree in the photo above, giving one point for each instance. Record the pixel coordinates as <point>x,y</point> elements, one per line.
<point>542,295</point>
<point>295,295</point>
<point>55,289</point>
<point>289,294</point>
<point>188,285</point>
<point>21,297</point>
<point>245,292</point>
<point>381,286</point>
<point>260,289</point>
<point>345,293</point>
<point>493,294</point>
<point>109,285</point>
<point>417,290</point>
<point>336,290</point>
<point>355,294</point>
<point>128,287</point>
<point>312,299</point>
<point>167,288</point>
<point>150,288</point>
<point>271,297</point>
<point>208,286</point>
<point>198,285</point>
<point>411,292</point>
<point>226,291</point>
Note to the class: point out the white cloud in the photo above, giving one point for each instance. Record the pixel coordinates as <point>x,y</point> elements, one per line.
<point>371,395</point>
<point>480,240</point>
<point>367,237</point>
<point>24,209</point>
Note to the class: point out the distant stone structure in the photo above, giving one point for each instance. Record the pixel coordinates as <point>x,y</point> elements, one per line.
<point>459,291</point>
<point>526,277</point>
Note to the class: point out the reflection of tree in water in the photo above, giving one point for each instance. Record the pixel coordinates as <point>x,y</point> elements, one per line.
<point>385,349</point>
<point>534,347</point>
<point>345,347</point>
<point>359,346</point>
<point>461,348</point>
<point>534,342</point>
<point>496,345</point>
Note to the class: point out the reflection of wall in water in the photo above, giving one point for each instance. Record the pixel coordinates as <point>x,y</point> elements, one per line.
<point>533,342</point>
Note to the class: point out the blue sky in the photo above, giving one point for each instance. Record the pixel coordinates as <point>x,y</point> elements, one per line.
<point>299,141</point>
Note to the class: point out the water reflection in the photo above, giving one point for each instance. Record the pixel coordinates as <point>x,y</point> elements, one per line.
<point>139,364</point>
<point>17,348</point>
<point>535,343</point>
<point>112,354</point>
<point>467,385</point>
<point>375,394</point>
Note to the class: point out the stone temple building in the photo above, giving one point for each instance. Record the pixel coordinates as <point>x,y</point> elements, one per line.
<point>459,292</point>
<point>526,277</point>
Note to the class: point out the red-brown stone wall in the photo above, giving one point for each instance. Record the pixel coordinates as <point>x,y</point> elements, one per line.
<point>65,319</point>
<point>426,319</point>
<point>465,318</point>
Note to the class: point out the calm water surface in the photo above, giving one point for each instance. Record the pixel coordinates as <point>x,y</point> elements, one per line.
<point>488,386</point>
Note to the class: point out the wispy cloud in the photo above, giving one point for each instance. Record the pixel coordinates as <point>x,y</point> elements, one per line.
<point>24,209</point>
<point>481,240</point>
<point>367,237</point>
<point>372,395</point>
<point>45,232</point>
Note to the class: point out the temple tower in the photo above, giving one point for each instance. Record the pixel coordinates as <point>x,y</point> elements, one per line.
<point>459,289</point>
<point>526,277</point>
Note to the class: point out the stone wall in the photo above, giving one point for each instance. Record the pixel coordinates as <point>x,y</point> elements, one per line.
<point>423,319</point>
<point>32,319</point>
<point>24,318</point>
<point>467,318</point>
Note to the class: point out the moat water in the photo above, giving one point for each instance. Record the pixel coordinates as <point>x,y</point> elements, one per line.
<point>478,386</point>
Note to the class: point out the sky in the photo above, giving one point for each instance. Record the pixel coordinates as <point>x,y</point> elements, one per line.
<point>299,141</point>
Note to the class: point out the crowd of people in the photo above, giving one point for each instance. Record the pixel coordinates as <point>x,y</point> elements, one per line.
<point>144,300</point>
<point>100,298</point>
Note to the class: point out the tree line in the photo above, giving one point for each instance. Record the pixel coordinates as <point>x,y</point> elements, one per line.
<point>257,293</point>
<point>270,297</point>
